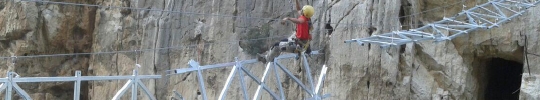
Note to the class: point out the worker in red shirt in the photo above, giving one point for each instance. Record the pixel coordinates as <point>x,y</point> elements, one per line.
<point>293,45</point>
<point>303,26</point>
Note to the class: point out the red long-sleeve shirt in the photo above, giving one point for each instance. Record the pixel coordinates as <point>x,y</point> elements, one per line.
<point>302,29</point>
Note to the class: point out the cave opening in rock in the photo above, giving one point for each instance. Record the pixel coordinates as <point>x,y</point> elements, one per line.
<point>503,79</point>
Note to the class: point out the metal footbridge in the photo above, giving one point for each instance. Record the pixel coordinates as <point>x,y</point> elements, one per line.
<point>312,90</point>
<point>484,16</point>
<point>9,84</point>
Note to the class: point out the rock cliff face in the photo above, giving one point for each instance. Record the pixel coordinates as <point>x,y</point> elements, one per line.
<point>479,65</point>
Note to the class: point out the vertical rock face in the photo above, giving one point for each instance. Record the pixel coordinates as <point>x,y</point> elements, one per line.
<point>29,29</point>
<point>210,32</point>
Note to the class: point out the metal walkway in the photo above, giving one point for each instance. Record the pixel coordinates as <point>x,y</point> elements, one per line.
<point>238,69</point>
<point>9,84</point>
<point>312,91</point>
<point>484,16</point>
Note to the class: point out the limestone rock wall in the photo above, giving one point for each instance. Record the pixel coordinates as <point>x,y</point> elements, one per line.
<point>205,31</point>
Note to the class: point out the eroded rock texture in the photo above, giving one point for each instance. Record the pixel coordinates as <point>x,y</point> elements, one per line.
<point>207,32</point>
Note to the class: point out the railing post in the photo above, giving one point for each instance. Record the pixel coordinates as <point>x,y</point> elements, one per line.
<point>77,88</point>
<point>134,85</point>
<point>9,87</point>
<point>200,78</point>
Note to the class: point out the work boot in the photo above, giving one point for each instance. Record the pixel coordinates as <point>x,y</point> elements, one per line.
<point>308,51</point>
<point>261,58</point>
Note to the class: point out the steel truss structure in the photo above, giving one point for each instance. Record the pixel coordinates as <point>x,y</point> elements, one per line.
<point>240,70</point>
<point>484,16</point>
<point>134,81</point>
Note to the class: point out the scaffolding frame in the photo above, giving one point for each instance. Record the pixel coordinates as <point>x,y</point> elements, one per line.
<point>10,83</point>
<point>239,70</point>
<point>484,16</point>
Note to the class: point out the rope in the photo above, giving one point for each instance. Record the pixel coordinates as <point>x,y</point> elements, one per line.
<point>205,14</point>
<point>142,50</point>
<point>170,11</point>
<point>526,53</point>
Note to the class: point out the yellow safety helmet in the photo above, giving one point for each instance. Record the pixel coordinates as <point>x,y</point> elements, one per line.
<point>308,11</point>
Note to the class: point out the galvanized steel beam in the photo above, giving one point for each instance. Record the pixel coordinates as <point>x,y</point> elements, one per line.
<point>484,16</point>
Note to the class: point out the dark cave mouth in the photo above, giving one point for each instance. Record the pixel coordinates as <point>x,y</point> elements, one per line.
<point>503,78</point>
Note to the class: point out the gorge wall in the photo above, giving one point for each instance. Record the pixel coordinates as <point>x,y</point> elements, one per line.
<point>463,68</point>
